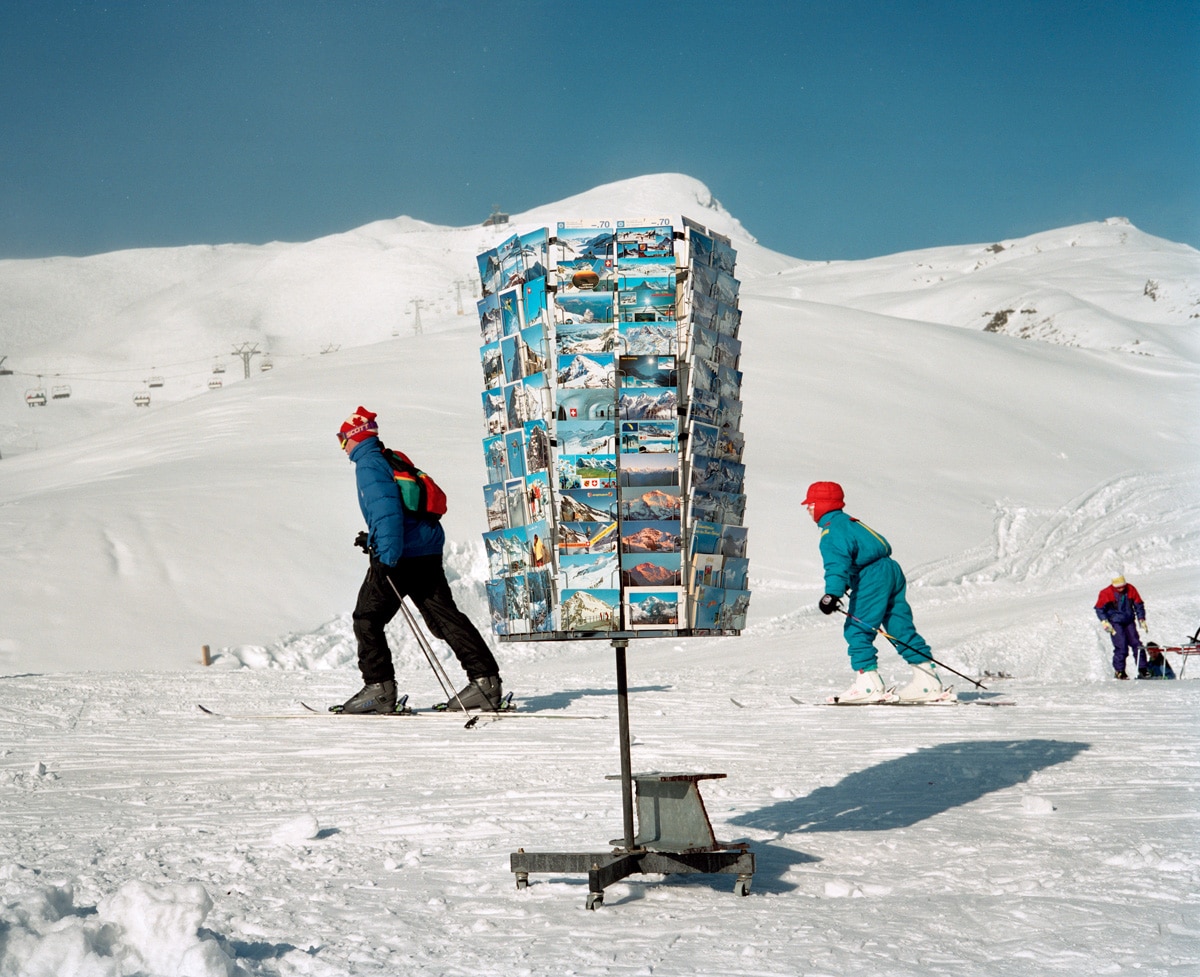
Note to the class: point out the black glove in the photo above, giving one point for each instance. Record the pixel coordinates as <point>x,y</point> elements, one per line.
<point>361,542</point>
<point>829,603</point>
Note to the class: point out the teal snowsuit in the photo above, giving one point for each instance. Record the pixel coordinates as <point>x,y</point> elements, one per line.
<point>858,559</point>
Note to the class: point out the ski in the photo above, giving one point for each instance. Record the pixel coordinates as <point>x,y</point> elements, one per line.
<point>508,710</point>
<point>945,700</point>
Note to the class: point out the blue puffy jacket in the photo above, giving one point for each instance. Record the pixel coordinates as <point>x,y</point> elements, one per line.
<point>847,546</point>
<point>392,532</point>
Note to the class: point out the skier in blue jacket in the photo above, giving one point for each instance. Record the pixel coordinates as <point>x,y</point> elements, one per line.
<point>858,560</point>
<point>406,560</point>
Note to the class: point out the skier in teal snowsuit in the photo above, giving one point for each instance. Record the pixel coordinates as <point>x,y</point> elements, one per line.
<point>859,560</point>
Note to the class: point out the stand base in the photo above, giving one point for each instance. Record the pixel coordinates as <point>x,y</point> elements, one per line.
<point>613,866</point>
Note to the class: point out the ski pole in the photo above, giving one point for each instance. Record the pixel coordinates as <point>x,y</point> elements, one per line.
<point>427,649</point>
<point>897,641</point>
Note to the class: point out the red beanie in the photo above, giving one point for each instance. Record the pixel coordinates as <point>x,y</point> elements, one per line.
<point>358,426</point>
<point>824,497</point>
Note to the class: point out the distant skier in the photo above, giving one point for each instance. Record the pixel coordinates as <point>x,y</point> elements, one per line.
<point>1157,665</point>
<point>859,560</point>
<point>1121,610</point>
<point>406,560</point>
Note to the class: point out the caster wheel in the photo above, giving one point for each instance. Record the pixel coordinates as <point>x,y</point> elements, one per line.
<point>594,900</point>
<point>741,887</point>
<point>522,880</point>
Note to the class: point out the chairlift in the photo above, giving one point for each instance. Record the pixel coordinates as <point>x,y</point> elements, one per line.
<point>154,382</point>
<point>35,397</point>
<point>214,383</point>
<point>141,400</point>
<point>61,392</point>
<point>218,367</point>
<point>266,364</point>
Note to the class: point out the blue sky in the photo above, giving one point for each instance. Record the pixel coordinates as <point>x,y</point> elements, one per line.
<point>831,130</point>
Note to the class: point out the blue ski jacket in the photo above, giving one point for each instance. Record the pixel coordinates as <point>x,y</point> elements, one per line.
<point>847,546</point>
<point>391,531</point>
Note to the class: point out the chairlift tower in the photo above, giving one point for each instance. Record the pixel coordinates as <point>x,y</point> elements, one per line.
<point>4,371</point>
<point>458,287</point>
<point>417,306</point>
<point>246,351</point>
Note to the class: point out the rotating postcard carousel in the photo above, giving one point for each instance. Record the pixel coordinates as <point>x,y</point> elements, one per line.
<point>615,490</point>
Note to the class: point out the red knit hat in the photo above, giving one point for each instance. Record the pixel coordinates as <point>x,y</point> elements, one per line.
<point>358,426</point>
<point>824,497</point>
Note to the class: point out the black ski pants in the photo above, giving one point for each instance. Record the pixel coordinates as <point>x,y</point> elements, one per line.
<point>424,580</point>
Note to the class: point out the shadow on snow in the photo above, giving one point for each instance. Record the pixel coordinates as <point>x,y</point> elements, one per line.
<point>900,792</point>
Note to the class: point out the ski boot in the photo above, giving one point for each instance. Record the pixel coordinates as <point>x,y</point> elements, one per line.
<point>479,693</point>
<point>1122,675</point>
<point>374,697</point>
<point>867,687</point>
<point>926,684</point>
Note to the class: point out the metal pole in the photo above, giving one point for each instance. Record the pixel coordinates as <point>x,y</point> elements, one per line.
<point>620,644</point>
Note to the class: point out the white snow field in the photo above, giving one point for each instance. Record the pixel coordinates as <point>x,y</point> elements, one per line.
<point>1018,417</point>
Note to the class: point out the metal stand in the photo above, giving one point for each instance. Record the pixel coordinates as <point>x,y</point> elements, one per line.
<point>676,836</point>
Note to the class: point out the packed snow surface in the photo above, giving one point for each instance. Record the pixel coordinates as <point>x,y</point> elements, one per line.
<point>1017,417</point>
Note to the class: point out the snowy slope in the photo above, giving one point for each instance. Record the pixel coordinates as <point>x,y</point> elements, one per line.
<point>1013,476</point>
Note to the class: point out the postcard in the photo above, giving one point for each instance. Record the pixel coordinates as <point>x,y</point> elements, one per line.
<point>583,242</point>
<point>493,365</point>
<point>537,535</point>
<point>586,275</point>
<point>717,474</point>
<point>651,536</point>
<point>648,404</point>
<point>585,337</point>
<point>704,343</point>
<point>489,271</point>
<point>535,252</point>
<point>586,471</point>
<point>591,370</point>
<point>588,571</point>
<point>648,301</point>
<point>704,439</point>
<point>651,570</point>
<point>737,603</point>
<point>510,312</point>
<point>650,469</point>
<point>700,248</point>
<point>726,319</point>
<point>726,288</point>
<point>516,604</point>
<point>533,298</point>
<point>705,570</point>
<point>539,584</point>
<point>496,458</point>
<point>703,310</point>
<point>706,537</point>
<point>722,507</point>
<point>731,444</point>
<point>495,502</point>
<point>514,449</point>
<point>647,371</point>
<point>661,270</point>
<point>514,500</point>
<point>571,308</point>
<point>729,413</point>
<point>533,350</point>
<point>654,241</point>
<point>590,610</point>
<point>736,575</point>
<point>587,537</point>
<point>707,603</point>
<point>654,608</point>
<point>704,375</point>
<point>649,436</point>
<point>645,338</point>
<point>537,496</point>
<point>689,223</point>
<point>495,411</point>
<point>733,541</point>
<point>512,360</point>
<point>497,554</point>
<point>704,406</point>
<point>587,404</point>
<point>490,327</point>
<point>588,505</point>
<point>537,446</point>
<point>729,382</point>
<point>658,502</point>
<point>703,280</point>
<point>497,613</point>
<point>587,437</point>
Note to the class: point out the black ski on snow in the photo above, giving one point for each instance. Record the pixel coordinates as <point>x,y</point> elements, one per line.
<point>909,703</point>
